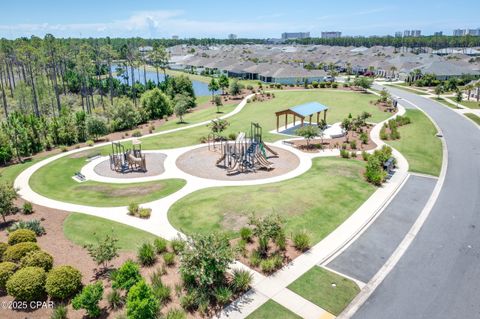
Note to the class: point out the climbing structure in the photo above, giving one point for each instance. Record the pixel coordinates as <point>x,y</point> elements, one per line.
<point>247,154</point>
<point>131,160</point>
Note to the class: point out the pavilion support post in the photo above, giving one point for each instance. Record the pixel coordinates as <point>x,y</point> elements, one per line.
<point>286,120</point>
<point>318,118</point>
<point>294,119</point>
<point>302,120</point>
<point>310,119</point>
<point>278,123</point>
<point>325,116</point>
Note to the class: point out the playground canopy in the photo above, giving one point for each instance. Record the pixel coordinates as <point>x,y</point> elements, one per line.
<point>302,111</point>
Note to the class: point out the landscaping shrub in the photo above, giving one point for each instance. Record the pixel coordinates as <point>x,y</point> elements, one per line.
<point>281,241</point>
<point>59,312</point>
<point>232,136</point>
<point>161,291</point>
<point>89,298</point>
<point>353,144</point>
<point>145,213</point>
<point>241,247</point>
<point>16,252</point>
<point>246,234</point>
<point>126,276</point>
<point>364,138</point>
<point>223,295</point>
<point>141,302</point>
<point>33,225</point>
<point>365,156</point>
<point>146,254</point>
<point>89,143</point>
<point>271,264</point>
<point>3,247</point>
<point>133,209</point>
<point>344,153</point>
<point>64,148</point>
<point>160,245</point>
<point>177,245</point>
<point>137,133</point>
<point>394,133</point>
<point>27,208</point>
<point>37,258</point>
<point>114,299</point>
<point>27,284</point>
<point>169,259</point>
<point>63,282</point>
<point>334,85</point>
<point>175,314</point>
<point>301,241</point>
<point>189,301</point>
<point>21,236</point>
<point>322,85</point>
<point>241,280</point>
<point>383,133</point>
<point>255,258</point>
<point>374,172</point>
<point>7,269</point>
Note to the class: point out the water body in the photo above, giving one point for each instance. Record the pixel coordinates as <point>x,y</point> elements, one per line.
<point>200,88</point>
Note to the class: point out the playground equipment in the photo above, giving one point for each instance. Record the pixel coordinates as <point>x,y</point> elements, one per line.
<point>125,161</point>
<point>247,153</point>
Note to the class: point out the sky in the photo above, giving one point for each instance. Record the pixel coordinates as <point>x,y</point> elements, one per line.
<point>246,18</point>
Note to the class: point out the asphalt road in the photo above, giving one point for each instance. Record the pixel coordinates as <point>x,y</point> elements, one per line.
<point>439,274</point>
<point>370,251</point>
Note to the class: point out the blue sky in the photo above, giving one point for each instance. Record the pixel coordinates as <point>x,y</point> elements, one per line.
<point>206,18</point>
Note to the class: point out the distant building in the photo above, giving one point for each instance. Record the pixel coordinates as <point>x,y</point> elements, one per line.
<point>459,32</point>
<point>331,34</point>
<point>175,37</point>
<point>398,34</point>
<point>412,33</point>
<point>232,36</point>
<point>295,35</point>
<point>145,49</point>
<point>473,32</point>
<point>438,33</point>
<point>463,32</point>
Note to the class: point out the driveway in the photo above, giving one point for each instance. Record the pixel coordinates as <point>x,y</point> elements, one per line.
<point>439,275</point>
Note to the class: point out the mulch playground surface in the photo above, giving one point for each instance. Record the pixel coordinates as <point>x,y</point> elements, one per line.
<point>154,163</point>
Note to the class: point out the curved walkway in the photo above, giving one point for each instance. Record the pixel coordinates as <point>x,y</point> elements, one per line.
<point>438,275</point>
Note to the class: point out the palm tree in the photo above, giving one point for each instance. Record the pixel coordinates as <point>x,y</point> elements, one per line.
<point>469,88</point>
<point>393,69</point>
<point>477,85</point>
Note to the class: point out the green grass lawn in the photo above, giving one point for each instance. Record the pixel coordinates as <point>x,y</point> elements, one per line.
<point>473,117</point>
<point>54,181</point>
<point>445,102</point>
<point>272,310</point>
<point>419,145</point>
<point>318,201</point>
<point>472,104</point>
<point>83,229</point>
<point>316,286</point>
<point>406,88</point>
<point>340,104</point>
<point>9,174</point>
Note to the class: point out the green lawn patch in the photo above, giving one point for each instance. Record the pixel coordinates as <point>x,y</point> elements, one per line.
<point>340,104</point>
<point>54,181</point>
<point>403,87</point>
<point>473,117</point>
<point>445,102</point>
<point>9,173</point>
<point>419,145</point>
<point>83,229</point>
<point>471,104</point>
<point>316,286</point>
<point>272,310</point>
<point>317,201</point>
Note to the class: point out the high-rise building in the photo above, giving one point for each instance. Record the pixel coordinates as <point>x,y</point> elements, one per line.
<point>438,33</point>
<point>232,36</point>
<point>331,34</point>
<point>398,34</point>
<point>412,33</point>
<point>473,32</point>
<point>459,32</point>
<point>175,37</point>
<point>295,35</point>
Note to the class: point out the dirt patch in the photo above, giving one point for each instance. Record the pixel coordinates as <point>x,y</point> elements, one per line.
<point>201,162</point>
<point>123,192</point>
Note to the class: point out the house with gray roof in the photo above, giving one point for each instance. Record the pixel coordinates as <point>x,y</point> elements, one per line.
<point>445,70</point>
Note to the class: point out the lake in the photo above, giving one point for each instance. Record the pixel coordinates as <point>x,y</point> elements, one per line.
<point>200,88</point>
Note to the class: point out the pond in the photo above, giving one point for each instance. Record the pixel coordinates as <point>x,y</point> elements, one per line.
<point>200,88</point>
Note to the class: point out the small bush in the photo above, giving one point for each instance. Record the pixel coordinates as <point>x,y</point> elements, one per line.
<point>301,241</point>
<point>90,143</point>
<point>133,209</point>
<point>37,258</point>
<point>27,208</point>
<point>334,85</point>
<point>3,247</point>
<point>169,259</point>
<point>141,302</point>
<point>21,236</point>
<point>60,312</point>
<point>232,136</point>
<point>246,234</point>
<point>241,280</point>
<point>176,314</point>
<point>255,258</point>
<point>146,254</point>
<point>114,299</point>
<point>241,247</point>
<point>33,225</point>
<point>364,138</point>
<point>223,295</point>
<point>268,265</point>
<point>7,269</point>
<point>189,301</point>
<point>383,134</point>
<point>162,292</point>
<point>353,144</point>
<point>89,298</point>
<point>137,133</point>
<point>64,148</point>
<point>322,85</point>
<point>160,245</point>
<point>27,284</point>
<point>126,276</point>
<point>177,245</point>
<point>145,213</point>
<point>16,252</point>
<point>365,156</point>
<point>344,153</point>
<point>63,282</point>
<point>281,241</point>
